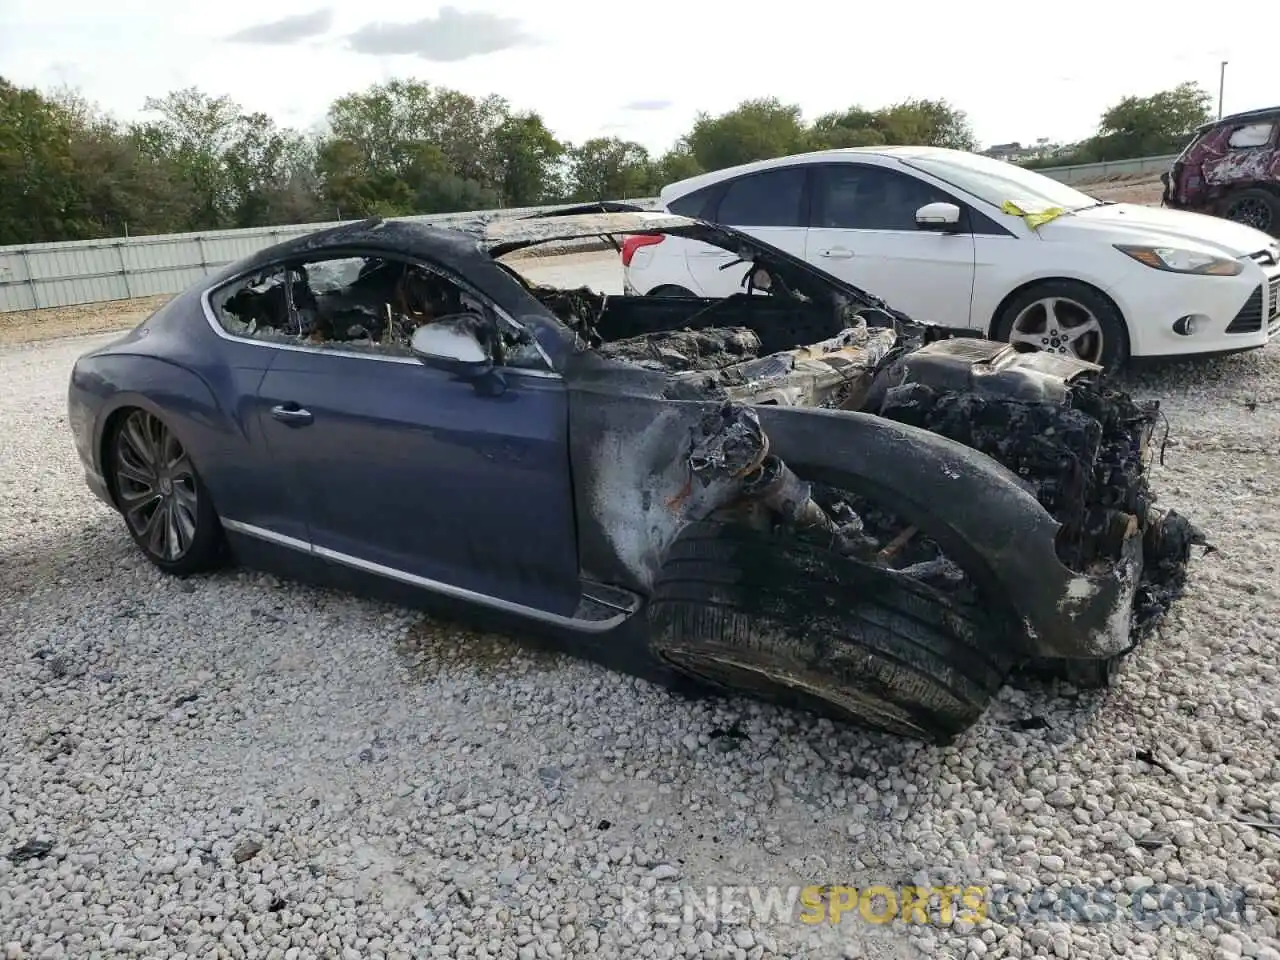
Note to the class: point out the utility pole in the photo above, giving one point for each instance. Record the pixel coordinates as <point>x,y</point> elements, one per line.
<point>1222,82</point>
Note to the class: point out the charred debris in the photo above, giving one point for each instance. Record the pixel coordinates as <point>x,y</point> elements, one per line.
<point>1078,444</point>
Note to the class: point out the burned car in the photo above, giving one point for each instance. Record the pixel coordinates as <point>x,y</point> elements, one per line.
<point>1231,169</point>
<point>795,492</point>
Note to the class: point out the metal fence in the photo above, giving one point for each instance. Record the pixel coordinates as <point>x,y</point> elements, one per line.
<point>1076,172</point>
<point>41,275</point>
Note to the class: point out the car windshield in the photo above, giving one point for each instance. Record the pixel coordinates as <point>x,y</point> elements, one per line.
<point>998,182</point>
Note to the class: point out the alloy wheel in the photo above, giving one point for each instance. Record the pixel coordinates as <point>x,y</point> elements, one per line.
<point>156,486</point>
<point>1059,325</point>
<point>1252,212</point>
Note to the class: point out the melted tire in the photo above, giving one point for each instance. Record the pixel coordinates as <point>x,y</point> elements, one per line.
<point>797,624</point>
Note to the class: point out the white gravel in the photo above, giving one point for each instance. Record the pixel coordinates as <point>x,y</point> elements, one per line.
<point>398,788</point>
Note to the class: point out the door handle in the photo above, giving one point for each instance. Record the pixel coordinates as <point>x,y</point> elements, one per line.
<point>291,413</point>
<point>837,253</point>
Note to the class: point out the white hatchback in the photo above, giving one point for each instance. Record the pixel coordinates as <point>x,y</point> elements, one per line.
<point>965,241</point>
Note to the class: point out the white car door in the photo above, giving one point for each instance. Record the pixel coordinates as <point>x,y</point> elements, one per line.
<point>863,230</point>
<point>767,205</point>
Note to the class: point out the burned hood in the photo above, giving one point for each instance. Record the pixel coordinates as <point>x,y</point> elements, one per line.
<point>501,237</point>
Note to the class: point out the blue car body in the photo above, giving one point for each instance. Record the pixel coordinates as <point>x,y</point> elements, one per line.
<point>549,493</point>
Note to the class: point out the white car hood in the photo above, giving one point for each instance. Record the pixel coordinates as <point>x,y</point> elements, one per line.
<point>1134,223</point>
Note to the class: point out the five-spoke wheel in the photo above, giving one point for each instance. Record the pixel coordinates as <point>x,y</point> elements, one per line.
<point>1057,325</point>
<point>1065,317</point>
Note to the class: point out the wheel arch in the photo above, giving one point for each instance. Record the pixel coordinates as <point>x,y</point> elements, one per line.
<point>179,397</point>
<point>1230,190</point>
<point>1023,287</point>
<point>671,290</point>
<point>994,527</point>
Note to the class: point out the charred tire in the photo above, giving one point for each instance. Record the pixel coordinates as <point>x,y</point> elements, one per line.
<point>671,290</point>
<point>1255,208</point>
<point>794,623</point>
<point>166,506</point>
<point>1078,299</point>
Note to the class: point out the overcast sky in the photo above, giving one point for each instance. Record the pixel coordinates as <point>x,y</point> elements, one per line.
<point>642,70</point>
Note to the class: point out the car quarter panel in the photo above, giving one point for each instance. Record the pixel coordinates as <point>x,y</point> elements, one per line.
<point>205,389</point>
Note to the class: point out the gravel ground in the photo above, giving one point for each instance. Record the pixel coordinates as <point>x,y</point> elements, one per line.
<point>233,766</point>
<point>1143,188</point>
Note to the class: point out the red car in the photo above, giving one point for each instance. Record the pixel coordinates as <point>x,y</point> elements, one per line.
<point>1231,169</point>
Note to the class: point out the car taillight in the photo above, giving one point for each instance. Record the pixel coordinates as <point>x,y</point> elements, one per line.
<point>634,243</point>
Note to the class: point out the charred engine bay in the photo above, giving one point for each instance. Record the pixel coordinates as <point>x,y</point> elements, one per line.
<point>1084,458</point>
<point>1078,445</point>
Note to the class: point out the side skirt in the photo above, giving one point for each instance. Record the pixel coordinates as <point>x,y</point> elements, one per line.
<point>602,608</point>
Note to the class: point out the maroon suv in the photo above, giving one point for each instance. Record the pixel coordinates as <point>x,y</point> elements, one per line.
<point>1231,168</point>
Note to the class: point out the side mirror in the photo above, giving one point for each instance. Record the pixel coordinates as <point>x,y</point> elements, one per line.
<point>457,344</point>
<point>761,279</point>
<point>941,216</point>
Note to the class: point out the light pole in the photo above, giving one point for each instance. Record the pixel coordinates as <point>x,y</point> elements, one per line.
<point>1222,82</point>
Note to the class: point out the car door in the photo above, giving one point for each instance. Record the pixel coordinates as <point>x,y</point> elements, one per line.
<point>770,204</point>
<point>862,228</point>
<point>421,475</point>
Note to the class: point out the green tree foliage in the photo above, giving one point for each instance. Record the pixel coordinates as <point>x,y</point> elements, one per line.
<point>1142,127</point>
<point>38,183</point>
<point>527,161</point>
<point>69,171</point>
<point>754,130</point>
<point>1149,126</point>
<point>933,123</point>
<point>606,168</point>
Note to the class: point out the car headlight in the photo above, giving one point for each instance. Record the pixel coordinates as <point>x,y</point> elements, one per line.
<point>1183,261</point>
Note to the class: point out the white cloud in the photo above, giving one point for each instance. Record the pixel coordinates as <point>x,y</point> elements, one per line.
<point>291,29</point>
<point>1019,73</point>
<point>451,36</point>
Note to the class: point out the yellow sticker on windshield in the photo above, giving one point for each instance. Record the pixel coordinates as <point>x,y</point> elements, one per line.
<point>1033,220</point>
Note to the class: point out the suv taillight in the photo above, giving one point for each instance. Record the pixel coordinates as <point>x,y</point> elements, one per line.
<point>634,243</point>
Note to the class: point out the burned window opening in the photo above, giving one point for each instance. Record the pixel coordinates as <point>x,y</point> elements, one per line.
<point>356,304</point>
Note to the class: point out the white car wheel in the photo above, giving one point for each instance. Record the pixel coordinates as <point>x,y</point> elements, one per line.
<point>1065,317</point>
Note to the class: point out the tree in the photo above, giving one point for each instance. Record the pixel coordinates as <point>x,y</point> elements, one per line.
<point>68,170</point>
<point>527,159</point>
<point>676,164</point>
<point>458,152</point>
<point>1147,126</point>
<point>606,168</point>
<point>37,172</point>
<point>854,127</point>
<point>932,123</point>
<point>754,130</point>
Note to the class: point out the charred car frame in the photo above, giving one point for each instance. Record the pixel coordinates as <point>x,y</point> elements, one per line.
<point>796,492</point>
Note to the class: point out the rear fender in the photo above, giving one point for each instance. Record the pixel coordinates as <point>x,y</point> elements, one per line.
<point>979,513</point>
<point>177,396</point>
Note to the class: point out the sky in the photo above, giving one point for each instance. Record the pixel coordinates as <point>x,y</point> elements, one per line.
<point>642,69</point>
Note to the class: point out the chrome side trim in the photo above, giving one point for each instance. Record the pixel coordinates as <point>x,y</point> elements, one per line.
<point>261,533</point>
<point>435,586</point>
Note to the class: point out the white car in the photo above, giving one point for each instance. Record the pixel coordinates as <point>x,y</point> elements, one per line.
<point>952,238</point>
